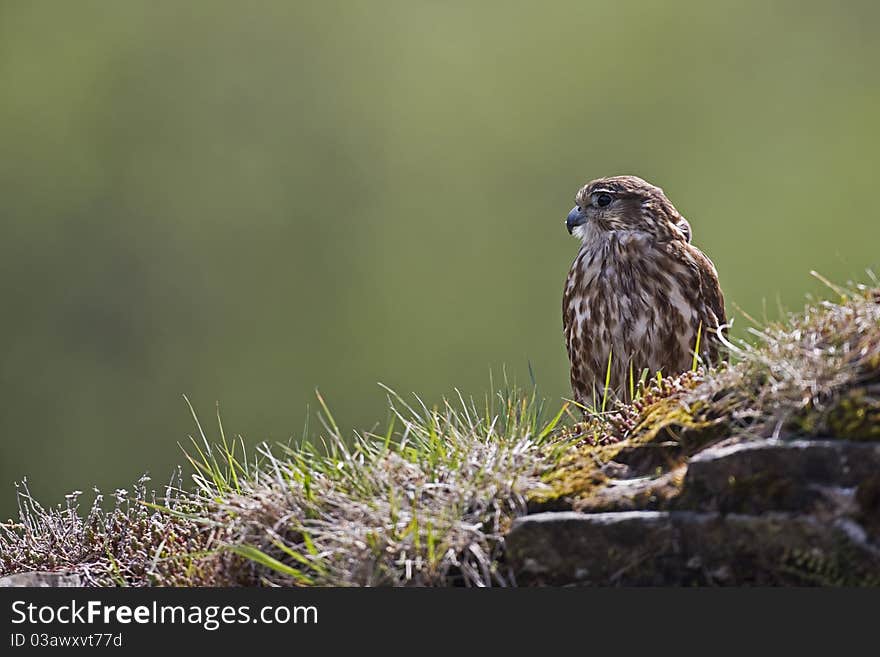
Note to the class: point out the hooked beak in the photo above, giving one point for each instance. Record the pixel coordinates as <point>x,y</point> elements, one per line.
<point>575,218</point>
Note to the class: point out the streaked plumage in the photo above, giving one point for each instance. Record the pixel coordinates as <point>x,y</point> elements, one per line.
<point>638,289</point>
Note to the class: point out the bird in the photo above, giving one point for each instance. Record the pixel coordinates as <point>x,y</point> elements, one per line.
<point>639,296</point>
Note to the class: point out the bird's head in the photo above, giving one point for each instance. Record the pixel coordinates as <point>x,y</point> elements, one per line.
<point>625,204</point>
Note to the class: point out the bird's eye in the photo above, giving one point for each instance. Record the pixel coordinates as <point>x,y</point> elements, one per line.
<point>603,200</point>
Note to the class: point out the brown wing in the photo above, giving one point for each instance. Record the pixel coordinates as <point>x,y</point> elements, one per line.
<point>574,345</point>
<point>711,299</point>
<point>710,287</point>
<point>568,317</point>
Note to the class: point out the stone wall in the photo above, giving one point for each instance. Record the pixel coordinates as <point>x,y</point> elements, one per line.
<point>768,512</point>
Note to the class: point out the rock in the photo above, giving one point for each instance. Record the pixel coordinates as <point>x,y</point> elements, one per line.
<point>759,512</point>
<point>689,547</point>
<point>778,475</point>
<point>41,579</point>
<point>572,547</point>
<point>637,493</point>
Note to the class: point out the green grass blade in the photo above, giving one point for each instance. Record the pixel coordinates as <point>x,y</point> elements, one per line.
<point>697,348</point>
<point>260,557</point>
<point>607,381</point>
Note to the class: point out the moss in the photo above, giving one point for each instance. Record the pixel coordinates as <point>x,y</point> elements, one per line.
<point>667,433</point>
<point>839,567</point>
<point>642,494</point>
<point>856,417</point>
<point>575,476</point>
<point>851,415</point>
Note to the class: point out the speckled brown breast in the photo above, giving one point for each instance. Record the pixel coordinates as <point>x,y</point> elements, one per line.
<point>642,303</point>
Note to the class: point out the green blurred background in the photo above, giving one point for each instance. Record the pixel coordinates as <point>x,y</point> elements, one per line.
<point>245,202</point>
